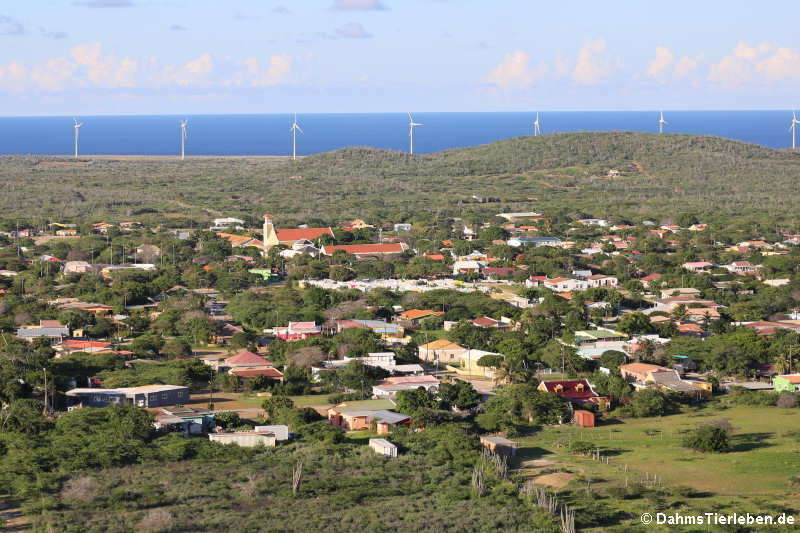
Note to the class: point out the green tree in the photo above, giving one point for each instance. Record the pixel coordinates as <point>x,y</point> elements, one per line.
<point>648,403</point>
<point>272,404</point>
<point>411,401</point>
<point>633,323</point>
<point>459,394</point>
<point>708,438</point>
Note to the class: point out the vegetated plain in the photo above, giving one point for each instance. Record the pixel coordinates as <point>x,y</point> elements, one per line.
<point>710,176</point>
<point>648,469</point>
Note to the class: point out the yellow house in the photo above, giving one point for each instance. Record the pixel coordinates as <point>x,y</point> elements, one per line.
<point>440,351</point>
<point>468,364</point>
<point>669,380</point>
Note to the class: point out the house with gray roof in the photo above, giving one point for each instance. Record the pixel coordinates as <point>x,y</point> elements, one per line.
<point>53,330</point>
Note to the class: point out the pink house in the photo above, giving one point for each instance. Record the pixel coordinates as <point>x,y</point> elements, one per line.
<point>296,331</point>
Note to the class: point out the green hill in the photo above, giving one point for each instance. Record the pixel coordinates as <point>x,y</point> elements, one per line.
<point>566,172</point>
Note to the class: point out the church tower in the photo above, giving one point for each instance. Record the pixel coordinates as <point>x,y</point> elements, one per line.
<point>270,236</point>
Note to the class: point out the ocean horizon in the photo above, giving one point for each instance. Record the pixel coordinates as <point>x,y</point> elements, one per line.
<point>269,134</point>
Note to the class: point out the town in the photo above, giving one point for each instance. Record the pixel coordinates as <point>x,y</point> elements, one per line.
<point>540,346</point>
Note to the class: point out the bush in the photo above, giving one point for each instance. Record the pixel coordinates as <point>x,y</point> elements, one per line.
<point>786,401</point>
<point>272,404</point>
<point>228,419</point>
<point>650,402</point>
<point>708,439</point>
<point>581,447</point>
<point>742,396</point>
<point>344,397</point>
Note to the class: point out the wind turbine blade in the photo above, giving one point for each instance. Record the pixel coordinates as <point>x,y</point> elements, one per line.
<point>409,117</point>
<point>299,129</point>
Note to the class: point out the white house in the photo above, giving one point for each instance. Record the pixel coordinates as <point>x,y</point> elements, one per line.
<point>565,284</point>
<point>601,280</point>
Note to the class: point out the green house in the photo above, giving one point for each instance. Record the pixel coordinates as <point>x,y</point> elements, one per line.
<point>265,273</point>
<point>786,383</point>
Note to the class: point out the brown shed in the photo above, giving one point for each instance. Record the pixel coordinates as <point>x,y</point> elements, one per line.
<point>499,445</point>
<point>584,418</point>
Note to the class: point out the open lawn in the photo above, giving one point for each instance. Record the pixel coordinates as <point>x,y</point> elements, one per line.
<point>754,476</point>
<point>237,401</point>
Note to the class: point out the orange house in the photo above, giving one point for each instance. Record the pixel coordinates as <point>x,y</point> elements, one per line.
<point>356,419</point>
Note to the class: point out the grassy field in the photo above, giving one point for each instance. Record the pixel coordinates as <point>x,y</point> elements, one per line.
<point>754,476</point>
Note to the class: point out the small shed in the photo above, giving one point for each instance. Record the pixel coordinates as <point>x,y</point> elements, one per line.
<point>584,418</point>
<point>499,445</point>
<point>281,431</point>
<point>247,439</point>
<point>383,447</point>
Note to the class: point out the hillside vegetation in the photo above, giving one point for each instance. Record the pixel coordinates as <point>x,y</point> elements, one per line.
<point>566,172</point>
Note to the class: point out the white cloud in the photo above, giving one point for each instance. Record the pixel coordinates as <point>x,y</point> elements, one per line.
<point>761,63</point>
<point>90,66</point>
<point>783,63</point>
<point>351,30</point>
<point>515,72</point>
<point>104,70</point>
<point>194,71</point>
<point>358,5</point>
<point>593,65</point>
<point>53,75</point>
<point>277,72</point>
<point>104,3</point>
<point>686,65</point>
<point>664,60</point>
<point>664,65</point>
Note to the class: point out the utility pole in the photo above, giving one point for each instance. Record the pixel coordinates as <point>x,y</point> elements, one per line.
<point>211,388</point>
<point>46,411</point>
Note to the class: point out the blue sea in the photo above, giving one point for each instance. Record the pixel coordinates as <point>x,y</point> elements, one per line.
<point>270,134</point>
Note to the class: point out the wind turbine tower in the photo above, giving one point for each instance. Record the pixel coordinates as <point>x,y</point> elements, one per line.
<point>536,130</point>
<point>661,123</point>
<point>184,122</point>
<point>77,127</point>
<point>793,127</point>
<point>411,126</point>
<point>294,129</point>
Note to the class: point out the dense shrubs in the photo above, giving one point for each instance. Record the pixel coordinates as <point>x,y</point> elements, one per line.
<point>650,402</point>
<point>708,438</point>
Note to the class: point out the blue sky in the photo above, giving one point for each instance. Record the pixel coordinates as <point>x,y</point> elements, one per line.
<point>64,57</point>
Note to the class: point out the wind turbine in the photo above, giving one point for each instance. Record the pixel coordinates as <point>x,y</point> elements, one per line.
<point>792,128</point>
<point>184,122</point>
<point>294,129</point>
<point>536,130</point>
<point>411,125</point>
<point>661,123</point>
<point>77,126</point>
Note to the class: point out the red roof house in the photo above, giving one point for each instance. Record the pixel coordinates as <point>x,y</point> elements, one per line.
<point>245,359</point>
<point>574,391</point>
<point>367,249</point>
<point>296,331</point>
